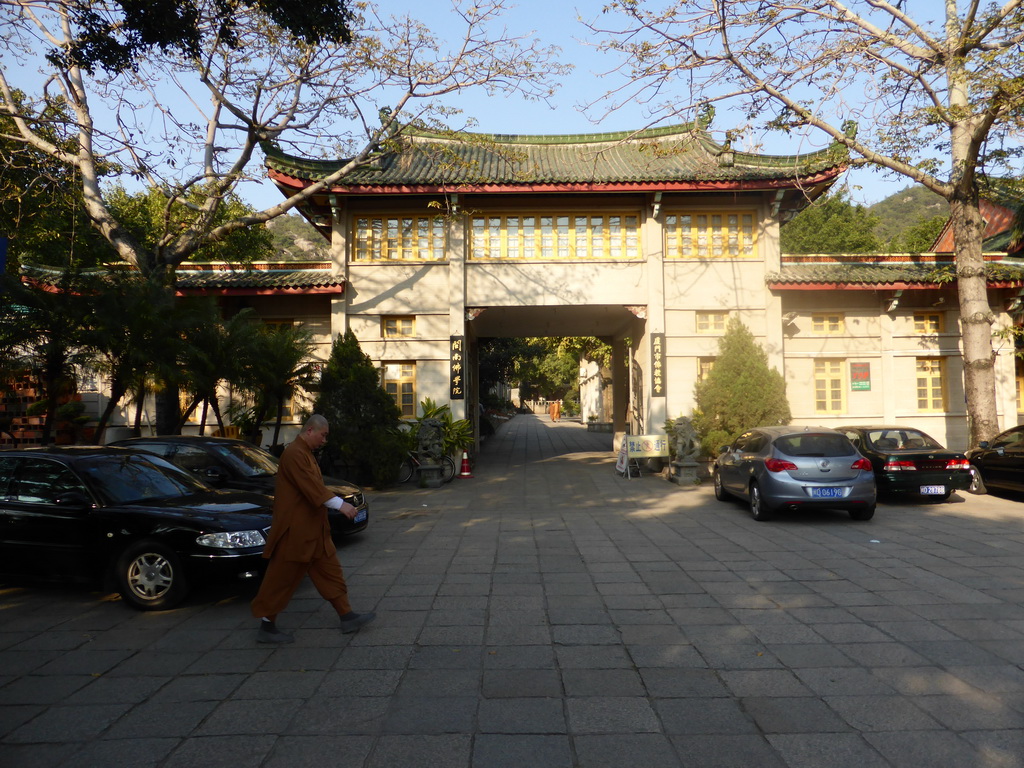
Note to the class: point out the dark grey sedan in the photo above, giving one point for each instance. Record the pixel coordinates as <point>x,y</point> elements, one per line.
<point>775,468</point>
<point>237,465</point>
<point>999,463</point>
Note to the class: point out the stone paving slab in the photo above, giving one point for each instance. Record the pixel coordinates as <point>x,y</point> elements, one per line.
<point>550,613</point>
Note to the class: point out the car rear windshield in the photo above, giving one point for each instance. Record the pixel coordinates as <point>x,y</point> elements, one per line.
<point>814,444</point>
<point>902,440</point>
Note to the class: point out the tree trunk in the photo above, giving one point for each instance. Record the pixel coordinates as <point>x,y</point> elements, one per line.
<point>976,319</point>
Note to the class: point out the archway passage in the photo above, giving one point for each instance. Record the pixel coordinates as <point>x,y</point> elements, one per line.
<point>587,375</point>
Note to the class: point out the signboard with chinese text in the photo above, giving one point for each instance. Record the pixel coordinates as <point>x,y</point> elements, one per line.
<point>457,371</point>
<point>659,381</point>
<point>643,446</point>
<point>860,377</point>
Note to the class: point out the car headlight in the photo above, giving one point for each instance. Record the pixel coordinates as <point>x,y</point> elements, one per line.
<point>231,539</point>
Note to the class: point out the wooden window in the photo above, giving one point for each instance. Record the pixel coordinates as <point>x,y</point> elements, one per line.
<point>829,386</point>
<point>399,238</point>
<point>712,235</point>
<point>398,326</point>
<point>1020,385</point>
<point>928,323</point>
<point>400,383</point>
<point>712,322</point>
<point>704,366</point>
<point>833,324</point>
<point>556,236</point>
<point>931,384</point>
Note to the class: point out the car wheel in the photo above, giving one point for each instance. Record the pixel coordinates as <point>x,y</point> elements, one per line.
<point>447,469</point>
<point>757,508</point>
<point>863,513</point>
<point>977,483</point>
<point>720,493</point>
<point>150,576</point>
<point>405,471</point>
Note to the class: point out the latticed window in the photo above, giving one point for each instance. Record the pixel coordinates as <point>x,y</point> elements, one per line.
<point>400,383</point>
<point>407,238</point>
<point>710,235</point>
<point>712,322</point>
<point>556,236</point>
<point>931,387</point>
<point>704,366</point>
<point>928,323</point>
<point>829,386</point>
<point>398,326</point>
<point>828,324</point>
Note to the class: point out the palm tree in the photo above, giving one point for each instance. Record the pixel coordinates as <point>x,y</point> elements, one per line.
<point>281,363</point>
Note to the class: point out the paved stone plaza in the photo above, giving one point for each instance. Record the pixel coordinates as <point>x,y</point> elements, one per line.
<point>548,613</point>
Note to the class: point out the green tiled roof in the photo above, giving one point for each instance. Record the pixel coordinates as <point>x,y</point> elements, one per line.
<point>282,279</point>
<point>880,274</point>
<point>277,276</point>
<point>675,153</point>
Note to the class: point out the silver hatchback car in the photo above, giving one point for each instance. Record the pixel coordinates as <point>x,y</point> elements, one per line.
<point>776,468</point>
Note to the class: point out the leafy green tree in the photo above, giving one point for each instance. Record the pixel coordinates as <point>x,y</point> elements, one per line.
<point>831,225</point>
<point>116,35</point>
<point>282,363</point>
<point>739,392</point>
<point>917,238</point>
<point>938,86</point>
<point>365,438</point>
<point>47,328</point>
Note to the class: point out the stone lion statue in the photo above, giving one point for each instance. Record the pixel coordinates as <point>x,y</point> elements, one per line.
<point>685,442</point>
<point>429,442</point>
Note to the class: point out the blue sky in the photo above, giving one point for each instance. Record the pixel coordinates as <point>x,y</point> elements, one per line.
<point>556,22</point>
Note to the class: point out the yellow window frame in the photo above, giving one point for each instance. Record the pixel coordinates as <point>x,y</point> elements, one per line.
<point>711,322</point>
<point>931,384</point>
<point>830,386</point>
<point>929,323</point>
<point>828,323</point>
<point>711,235</point>
<point>400,383</point>
<point>551,236</point>
<point>398,326</point>
<point>399,237</point>
<point>704,366</point>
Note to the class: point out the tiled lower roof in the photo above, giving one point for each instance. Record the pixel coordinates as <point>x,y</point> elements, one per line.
<point>278,277</point>
<point>890,274</point>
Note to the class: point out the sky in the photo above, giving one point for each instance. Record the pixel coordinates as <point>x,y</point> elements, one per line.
<point>556,22</point>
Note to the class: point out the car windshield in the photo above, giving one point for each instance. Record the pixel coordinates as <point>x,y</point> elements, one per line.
<point>247,460</point>
<point>814,444</point>
<point>901,440</point>
<point>127,479</point>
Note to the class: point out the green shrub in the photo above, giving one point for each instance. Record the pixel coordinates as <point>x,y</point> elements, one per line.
<point>740,392</point>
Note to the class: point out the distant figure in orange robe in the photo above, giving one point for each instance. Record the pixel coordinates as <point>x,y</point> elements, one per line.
<point>555,409</point>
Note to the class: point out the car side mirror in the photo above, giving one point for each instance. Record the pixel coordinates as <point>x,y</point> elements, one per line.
<point>983,444</point>
<point>723,449</point>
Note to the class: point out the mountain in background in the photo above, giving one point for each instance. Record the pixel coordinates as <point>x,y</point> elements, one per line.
<point>905,209</point>
<point>295,239</point>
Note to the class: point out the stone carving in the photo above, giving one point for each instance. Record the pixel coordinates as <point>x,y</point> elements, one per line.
<point>685,442</point>
<point>429,450</point>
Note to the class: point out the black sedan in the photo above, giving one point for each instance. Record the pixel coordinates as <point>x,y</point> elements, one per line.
<point>908,462</point>
<point>999,463</point>
<point>237,465</point>
<point>126,517</point>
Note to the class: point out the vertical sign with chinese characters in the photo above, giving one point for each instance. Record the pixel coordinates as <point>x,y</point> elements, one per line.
<point>458,368</point>
<point>860,377</point>
<point>658,372</point>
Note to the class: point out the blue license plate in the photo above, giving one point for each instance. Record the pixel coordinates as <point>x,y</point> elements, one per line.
<point>826,493</point>
<point>933,490</point>
<point>360,516</point>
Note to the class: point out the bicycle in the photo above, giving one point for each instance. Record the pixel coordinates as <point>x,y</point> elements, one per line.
<point>411,464</point>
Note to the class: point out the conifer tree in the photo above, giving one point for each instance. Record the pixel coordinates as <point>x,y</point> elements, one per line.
<point>364,442</point>
<point>739,392</point>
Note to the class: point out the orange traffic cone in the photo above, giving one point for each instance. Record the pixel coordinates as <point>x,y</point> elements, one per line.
<point>466,471</point>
